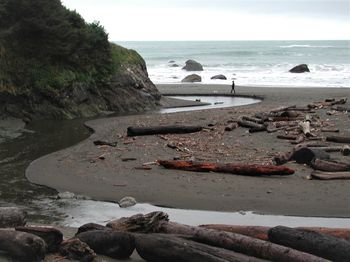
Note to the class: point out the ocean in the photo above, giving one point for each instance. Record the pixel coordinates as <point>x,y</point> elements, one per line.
<point>250,63</point>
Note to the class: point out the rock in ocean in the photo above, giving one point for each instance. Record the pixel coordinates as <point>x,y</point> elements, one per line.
<point>192,65</point>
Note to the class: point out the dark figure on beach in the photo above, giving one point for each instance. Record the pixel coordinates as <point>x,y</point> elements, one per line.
<point>233,87</point>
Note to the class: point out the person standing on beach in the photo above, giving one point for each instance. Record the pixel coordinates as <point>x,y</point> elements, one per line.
<point>233,87</point>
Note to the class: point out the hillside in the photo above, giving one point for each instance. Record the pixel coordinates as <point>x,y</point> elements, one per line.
<point>55,65</point>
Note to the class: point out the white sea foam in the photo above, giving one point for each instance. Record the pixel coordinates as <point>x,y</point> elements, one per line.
<point>313,46</point>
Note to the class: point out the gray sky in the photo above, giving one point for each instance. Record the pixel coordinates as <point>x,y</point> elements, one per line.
<point>218,20</point>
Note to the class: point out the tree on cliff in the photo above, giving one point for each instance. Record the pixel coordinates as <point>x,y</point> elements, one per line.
<point>46,47</point>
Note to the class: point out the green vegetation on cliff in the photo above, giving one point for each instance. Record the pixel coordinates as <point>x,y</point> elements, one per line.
<point>44,47</point>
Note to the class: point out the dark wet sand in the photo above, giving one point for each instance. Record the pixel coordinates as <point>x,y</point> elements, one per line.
<point>78,168</point>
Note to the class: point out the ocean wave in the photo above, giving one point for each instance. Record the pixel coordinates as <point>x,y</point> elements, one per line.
<point>307,46</point>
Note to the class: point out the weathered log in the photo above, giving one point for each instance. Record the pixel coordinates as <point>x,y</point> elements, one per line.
<point>161,247</point>
<point>329,166</point>
<point>52,236</point>
<point>154,130</point>
<point>238,169</point>
<point>338,139</point>
<point>319,244</point>
<point>158,223</point>
<point>330,175</point>
<point>22,246</point>
<point>231,126</point>
<point>253,119</point>
<point>91,227</point>
<point>261,231</point>
<point>104,143</point>
<point>111,243</point>
<point>305,128</point>
<point>75,249</point>
<point>12,217</point>
<point>281,118</point>
<point>327,129</point>
<point>249,124</point>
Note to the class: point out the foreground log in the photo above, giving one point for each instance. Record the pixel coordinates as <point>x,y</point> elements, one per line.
<point>22,246</point>
<point>338,139</point>
<point>12,217</point>
<point>330,175</point>
<point>52,236</point>
<point>91,227</point>
<point>76,249</point>
<point>114,244</point>
<point>238,169</point>
<point>157,222</point>
<point>160,247</point>
<point>261,231</point>
<point>319,244</point>
<point>154,130</point>
<point>329,166</point>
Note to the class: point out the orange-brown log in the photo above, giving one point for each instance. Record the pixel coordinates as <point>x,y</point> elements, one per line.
<point>261,231</point>
<point>231,168</point>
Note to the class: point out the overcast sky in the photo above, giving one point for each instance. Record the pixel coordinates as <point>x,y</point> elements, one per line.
<point>127,20</point>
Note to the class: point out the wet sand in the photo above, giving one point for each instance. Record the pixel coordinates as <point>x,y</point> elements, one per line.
<point>79,169</point>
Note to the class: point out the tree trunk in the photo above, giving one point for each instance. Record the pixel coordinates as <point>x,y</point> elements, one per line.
<point>330,175</point>
<point>261,231</point>
<point>238,169</point>
<point>157,222</point>
<point>329,166</point>
<point>338,139</point>
<point>166,247</point>
<point>22,246</point>
<point>52,237</point>
<point>319,244</point>
<point>114,244</point>
<point>154,130</point>
<point>12,217</point>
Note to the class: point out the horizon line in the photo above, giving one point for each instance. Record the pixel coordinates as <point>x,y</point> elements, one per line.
<point>222,40</point>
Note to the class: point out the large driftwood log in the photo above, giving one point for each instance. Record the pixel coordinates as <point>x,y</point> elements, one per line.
<point>114,244</point>
<point>160,247</point>
<point>154,130</point>
<point>330,175</point>
<point>319,244</point>
<point>329,166</point>
<point>22,246</point>
<point>12,217</point>
<point>52,236</point>
<point>261,231</point>
<point>157,222</point>
<point>238,169</point>
<point>91,227</point>
<point>75,249</point>
<point>338,139</point>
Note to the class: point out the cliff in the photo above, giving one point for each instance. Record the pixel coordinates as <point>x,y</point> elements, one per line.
<point>55,65</point>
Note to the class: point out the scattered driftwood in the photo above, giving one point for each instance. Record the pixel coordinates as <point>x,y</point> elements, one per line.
<point>319,244</point>
<point>341,108</point>
<point>330,175</point>
<point>154,130</point>
<point>329,166</point>
<point>76,249</point>
<point>52,236</point>
<point>22,246</point>
<point>338,139</point>
<point>157,222</point>
<point>160,247</point>
<point>261,231</point>
<point>238,169</point>
<point>12,217</point>
<point>104,143</point>
<point>114,244</point>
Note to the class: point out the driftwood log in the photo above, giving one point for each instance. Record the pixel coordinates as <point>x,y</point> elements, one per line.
<point>160,247</point>
<point>329,166</point>
<point>157,222</point>
<point>302,155</point>
<point>113,244</point>
<point>253,119</point>
<point>305,128</point>
<point>90,227</point>
<point>330,175</point>
<point>75,249</point>
<point>231,126</point>
<point>250,124</point>
<point>238,169</point>
<point>154,130</point>
<point>319,244</point>
<point>52,236</point>
<point>261,231</point>
<point>12,217</point>
<point>338,139</point>
<point>22,246</point>
<point>105,143</point>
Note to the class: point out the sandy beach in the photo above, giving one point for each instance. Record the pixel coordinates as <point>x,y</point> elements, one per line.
<point>101,173</point>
